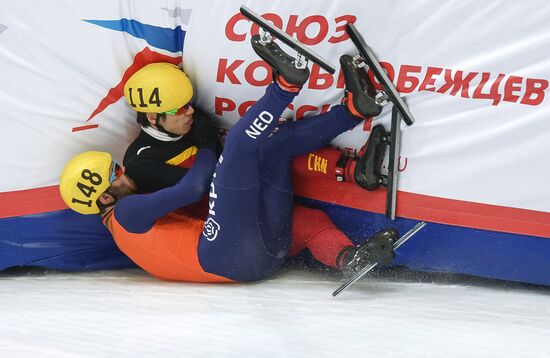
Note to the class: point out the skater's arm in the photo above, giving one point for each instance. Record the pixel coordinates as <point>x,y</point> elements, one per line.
<point>152,174</point>
<point>138,213</point>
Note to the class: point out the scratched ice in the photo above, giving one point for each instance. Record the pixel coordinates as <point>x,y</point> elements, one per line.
<point>398,314</point>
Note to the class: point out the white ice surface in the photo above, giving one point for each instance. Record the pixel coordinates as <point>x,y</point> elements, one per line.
<point>129,314</point>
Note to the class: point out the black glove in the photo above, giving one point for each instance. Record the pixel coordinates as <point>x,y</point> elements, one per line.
<point>204,134</point>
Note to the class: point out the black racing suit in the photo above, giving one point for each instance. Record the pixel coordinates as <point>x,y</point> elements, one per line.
<point>156,164</point>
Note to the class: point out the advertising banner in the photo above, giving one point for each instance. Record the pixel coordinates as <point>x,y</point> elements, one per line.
<point>475,75</point>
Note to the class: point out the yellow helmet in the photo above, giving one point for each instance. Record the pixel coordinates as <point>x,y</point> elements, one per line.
<point>157,88</point>
<point>84,179</point>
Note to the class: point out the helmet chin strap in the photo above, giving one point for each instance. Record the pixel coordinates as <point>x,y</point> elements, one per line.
<point>163,130</point>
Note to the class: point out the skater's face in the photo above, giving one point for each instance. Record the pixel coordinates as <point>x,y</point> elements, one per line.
<point>179,123</point>
<point>121,185</point>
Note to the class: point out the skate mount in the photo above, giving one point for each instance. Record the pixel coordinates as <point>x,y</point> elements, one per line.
<point>304,53</point>
<point>400,110</point>
<point>419,226</point>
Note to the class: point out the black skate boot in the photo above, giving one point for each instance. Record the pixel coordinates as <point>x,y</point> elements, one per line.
<point>378,249</point>
<point>360,92</point>
<point>283,66</point>
<point>367,173</point>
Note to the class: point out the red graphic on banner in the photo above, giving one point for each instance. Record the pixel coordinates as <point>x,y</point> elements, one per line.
<point>143,58</point>
<point>311,30</point>
<point>83,128</point>
<point>317,29</point>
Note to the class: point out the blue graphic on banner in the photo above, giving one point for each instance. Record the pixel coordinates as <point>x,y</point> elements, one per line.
<point>159,37</point>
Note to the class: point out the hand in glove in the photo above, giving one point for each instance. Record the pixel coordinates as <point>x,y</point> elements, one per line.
<point>204,134</point>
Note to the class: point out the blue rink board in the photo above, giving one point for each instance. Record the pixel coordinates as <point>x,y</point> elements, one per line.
<point>68,241</point>
<point>62,240</point>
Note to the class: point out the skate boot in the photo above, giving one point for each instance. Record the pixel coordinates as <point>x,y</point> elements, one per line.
<point>378,249</point>
<point>285,70</point>
<point>367,173</point>
<point>365,169</point>
<point>360,92</point>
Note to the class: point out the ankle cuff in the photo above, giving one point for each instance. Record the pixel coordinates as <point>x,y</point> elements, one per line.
<point>348,102</point>
<point>289,87</point>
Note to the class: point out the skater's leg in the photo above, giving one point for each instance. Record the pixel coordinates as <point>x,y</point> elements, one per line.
<point>260,119</point>
<point>313,133</point>
<point>241,147</point>
<point>295,138</point>
<point>276,153</point>
<point>312,229</point>
<point>232,244</point>
<point>235,243</point>
<point>248,231</point>
<point>321,164</point>
<point>275,164</point>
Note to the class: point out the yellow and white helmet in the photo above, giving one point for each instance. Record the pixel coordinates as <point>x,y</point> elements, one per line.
<point>158,88</point>
<point>84,179</point>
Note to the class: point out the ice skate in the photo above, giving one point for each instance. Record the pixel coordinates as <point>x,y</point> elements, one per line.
<point>376,250</point>
<point>287,71</point>
<point>303,52</point>
<point>344,260</point>
<point>367,173</point>
<point>360,93</point>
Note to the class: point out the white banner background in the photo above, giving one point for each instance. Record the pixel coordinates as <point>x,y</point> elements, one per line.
<point>55,68</point>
